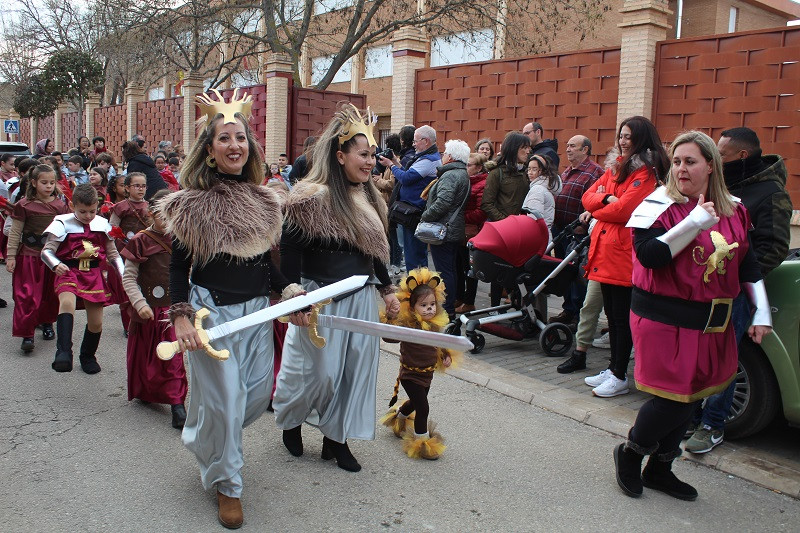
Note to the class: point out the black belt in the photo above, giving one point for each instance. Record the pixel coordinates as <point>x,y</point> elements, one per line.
<point>33,240</point>
<point>709,317</point>
<point>73,263</point>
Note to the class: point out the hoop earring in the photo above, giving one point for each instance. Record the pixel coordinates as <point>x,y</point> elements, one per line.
<point>210,161</point>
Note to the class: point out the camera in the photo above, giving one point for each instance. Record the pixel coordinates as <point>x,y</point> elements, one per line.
<point>388,154</point>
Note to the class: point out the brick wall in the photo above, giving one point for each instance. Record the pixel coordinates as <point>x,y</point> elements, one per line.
<point>46,129</point>
<point>69,131</point>
<point>25,133</point>
<point>725,81</point>
<point>161,120</point>
<point>568,94</point>
<point>258,122</point>
<point>110,123</point>
<point>311,112</point>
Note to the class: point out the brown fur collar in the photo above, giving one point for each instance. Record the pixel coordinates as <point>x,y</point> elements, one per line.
<point>637,160</point>
<point>239,219</point>
<point>309,210</point>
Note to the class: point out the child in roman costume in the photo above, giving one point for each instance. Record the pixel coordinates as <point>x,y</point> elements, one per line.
<point>131,215</point>
<point>35,300</point>
<point>77,245</point>
<point>146,282</point>
<point>421,298</point>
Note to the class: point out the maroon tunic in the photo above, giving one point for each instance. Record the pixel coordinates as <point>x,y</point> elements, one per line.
<point>133,218</point>
<point>35,301</point>
<point>149,378</point>
<point>679,363</point>
<point>88,283</point>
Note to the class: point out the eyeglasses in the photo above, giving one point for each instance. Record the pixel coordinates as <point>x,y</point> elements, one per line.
<point>138,186</point>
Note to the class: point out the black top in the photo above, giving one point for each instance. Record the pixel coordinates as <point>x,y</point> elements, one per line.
<point>144,164</point>
<point>300,255</point>
<point>299,169</point>
<point>230,280</point>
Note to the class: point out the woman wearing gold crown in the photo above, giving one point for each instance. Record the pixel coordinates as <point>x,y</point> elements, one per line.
<point>335,226</point>
<point>224,225</point>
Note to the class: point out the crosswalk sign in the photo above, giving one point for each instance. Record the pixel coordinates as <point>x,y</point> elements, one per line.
<point>11,126</point>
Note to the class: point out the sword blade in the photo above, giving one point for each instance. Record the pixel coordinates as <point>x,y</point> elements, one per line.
<point>289,306</point>
<point>398,333</point>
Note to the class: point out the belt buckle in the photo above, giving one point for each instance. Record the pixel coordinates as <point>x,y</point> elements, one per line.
<point>714,303</point>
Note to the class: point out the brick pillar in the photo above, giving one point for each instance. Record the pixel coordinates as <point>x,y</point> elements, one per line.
<point>644,23</point>
<point>357,71</point>
<point>58,132</point>
<point>410,52</point>
<point>92,102</point>
<point>34,133</point>
<point>192,86</point>
<point>279,78</point>
<point>133,95</point>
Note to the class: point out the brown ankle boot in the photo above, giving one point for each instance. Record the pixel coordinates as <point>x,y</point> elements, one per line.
<point>230,511</point>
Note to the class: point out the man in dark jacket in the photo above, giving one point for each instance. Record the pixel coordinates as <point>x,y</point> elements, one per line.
<point>760,182</point>
<point>138,161</point>
<point>539,146</point>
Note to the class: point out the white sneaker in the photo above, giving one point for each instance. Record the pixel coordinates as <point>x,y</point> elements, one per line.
<point>602,342</point>
<point>594,381</point>
<point>613,386</point>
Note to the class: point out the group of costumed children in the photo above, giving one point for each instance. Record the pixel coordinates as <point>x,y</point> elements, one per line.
<point>66,258</point>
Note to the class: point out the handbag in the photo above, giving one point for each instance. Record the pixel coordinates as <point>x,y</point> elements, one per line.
<point>404,213</point>
<point>436,232</point>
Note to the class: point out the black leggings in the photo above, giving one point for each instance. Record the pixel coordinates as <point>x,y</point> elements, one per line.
<point>661,424</point>
<point>617,304</point>
<point>417,401</point>
<point>467,287</point>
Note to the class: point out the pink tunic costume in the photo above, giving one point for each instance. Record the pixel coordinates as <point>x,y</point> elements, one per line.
<point>133,218</point>
<point>149,378</point>
<point>83,250</point>
<point>35,301</point>
<point>679,363</point>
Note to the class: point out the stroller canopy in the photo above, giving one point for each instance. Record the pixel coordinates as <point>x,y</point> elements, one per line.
<point>514,239</point>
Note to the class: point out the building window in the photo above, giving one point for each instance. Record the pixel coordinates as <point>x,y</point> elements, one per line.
<point>324,6</point>
<point>320,66</point>
<point>378,62</point>
<point>464,47</point>
<point>156,93</point>
<point>732,19</point>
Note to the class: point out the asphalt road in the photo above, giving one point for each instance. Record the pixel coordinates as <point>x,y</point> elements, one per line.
<point>75,455</point>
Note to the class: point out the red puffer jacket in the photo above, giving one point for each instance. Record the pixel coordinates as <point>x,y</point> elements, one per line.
<point>611,251</point>
<point>474,216</point>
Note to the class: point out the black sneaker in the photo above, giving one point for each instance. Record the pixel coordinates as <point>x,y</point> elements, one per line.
<point>47,332</point>
<point>27,344</point>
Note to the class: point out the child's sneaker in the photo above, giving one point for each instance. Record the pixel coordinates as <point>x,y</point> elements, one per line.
<point>613,386</point>
<point>595,381</point>
<point>704,439</point>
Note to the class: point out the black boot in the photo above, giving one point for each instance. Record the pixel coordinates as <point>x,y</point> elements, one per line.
<point>576,361</point>
<point>658,475</point>
<point>293,440</point>
<point>63,360</point>
<point>178,415</point>
<point>629,470</point>
<point>88,349</point>
<point>47,332</point>
<point>27,344</point>
<point>344,459</point>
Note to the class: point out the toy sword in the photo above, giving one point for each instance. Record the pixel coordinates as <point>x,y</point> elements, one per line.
<point>167,350</point>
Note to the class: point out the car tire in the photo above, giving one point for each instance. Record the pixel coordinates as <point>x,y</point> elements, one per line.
<point>756,399</point>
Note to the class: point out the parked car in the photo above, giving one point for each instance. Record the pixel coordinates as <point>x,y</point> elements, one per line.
<point>19,149</point>
<point>768,380</point>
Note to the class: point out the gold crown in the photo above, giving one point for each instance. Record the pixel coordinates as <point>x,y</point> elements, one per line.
<point>211,108</point>
<point>361,125</point>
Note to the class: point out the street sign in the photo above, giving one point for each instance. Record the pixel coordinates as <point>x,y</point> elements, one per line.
<point>11,126</point>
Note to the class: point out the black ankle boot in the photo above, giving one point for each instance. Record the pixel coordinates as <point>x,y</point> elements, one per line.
<point>658,475</point>
<point>629,470</point>
<point>88,349</point>
<point>27,344</point>
<point>341,452</point>
<point>47,332</point>
<point>63,360</point>
<point>576,361</point>
<point>178,415</point>
<point>293,440</point>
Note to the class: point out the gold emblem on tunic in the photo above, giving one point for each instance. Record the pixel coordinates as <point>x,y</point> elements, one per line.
<point>85,257</point>
<point>715,261</point>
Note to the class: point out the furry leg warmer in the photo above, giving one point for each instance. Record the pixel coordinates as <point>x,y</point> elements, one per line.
<point>426,446</point>
<point>397,421</point>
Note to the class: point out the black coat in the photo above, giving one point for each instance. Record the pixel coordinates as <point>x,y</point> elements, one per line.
<point>144,164</point>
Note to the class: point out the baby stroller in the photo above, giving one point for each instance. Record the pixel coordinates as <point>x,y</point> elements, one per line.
<point>512,252</point>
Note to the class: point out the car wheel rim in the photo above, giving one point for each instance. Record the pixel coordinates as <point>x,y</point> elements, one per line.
<point>741,394</point>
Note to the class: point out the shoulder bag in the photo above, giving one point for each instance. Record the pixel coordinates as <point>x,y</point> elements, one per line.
<point>436,232</point>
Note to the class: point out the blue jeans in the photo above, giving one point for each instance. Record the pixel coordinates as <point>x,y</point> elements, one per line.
<point>718,406</point>
<point>444,260</point>
<point>415,251</point>
<point>395,250</point>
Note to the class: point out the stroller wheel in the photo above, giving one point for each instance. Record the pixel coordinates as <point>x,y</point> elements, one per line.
<point>453,328</point>
<point>479,341</point>
<point>556,339</point>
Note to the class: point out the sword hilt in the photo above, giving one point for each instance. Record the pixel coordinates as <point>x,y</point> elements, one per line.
<point>313,334</point>
<point>166,350</point>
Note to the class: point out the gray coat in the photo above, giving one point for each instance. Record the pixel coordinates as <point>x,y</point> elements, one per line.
<point>446,196</point>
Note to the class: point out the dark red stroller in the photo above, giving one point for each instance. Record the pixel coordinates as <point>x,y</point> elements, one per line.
<point>512,252</point>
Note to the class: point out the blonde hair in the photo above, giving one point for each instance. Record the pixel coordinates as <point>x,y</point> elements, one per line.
<point>327,171</point>
<point>196,174</point>
<point>717,191</point>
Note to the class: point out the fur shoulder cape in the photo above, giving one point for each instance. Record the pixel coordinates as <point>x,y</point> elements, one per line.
<point>309,210</point>
<point>239,219</point>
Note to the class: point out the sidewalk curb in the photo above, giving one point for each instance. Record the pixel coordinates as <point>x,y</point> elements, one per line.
<point>745,463</point>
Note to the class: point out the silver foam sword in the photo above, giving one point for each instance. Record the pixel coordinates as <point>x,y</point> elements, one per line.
<point>167,350</point>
